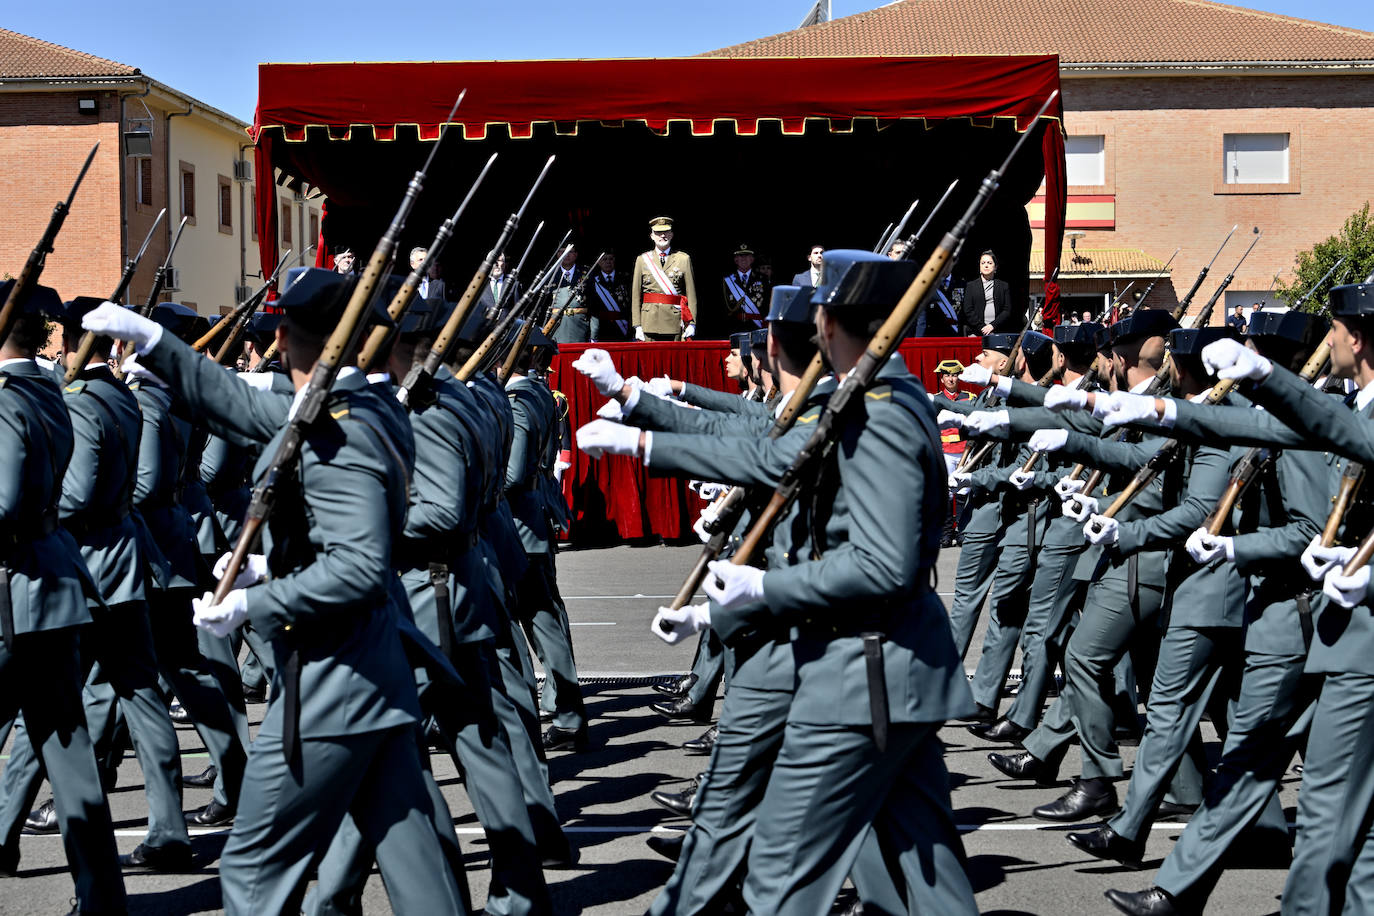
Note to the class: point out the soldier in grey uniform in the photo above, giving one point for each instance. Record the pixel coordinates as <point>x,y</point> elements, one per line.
<point>44,595</point>
<point>570,296</point>
<point>340,733</point>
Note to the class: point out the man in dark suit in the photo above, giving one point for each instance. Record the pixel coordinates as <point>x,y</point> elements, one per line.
<point>430,287</point>
<point>987,307</point>
<point>812,275</point>
<point>496,287</point>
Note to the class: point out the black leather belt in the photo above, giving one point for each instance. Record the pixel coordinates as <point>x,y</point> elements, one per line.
<point>89,521</point>
<point>47,524</point>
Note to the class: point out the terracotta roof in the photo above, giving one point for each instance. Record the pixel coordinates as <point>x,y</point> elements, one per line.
<point>23,57</point>
<point>1098,262</point>
<point>1079,31</point>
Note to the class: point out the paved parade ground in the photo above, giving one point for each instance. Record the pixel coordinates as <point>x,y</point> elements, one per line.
<point>1018,864</point>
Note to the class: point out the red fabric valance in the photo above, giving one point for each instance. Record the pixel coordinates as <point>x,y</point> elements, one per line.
<point>617,497</point>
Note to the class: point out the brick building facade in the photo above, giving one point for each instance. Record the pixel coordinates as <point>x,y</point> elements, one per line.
<point>1183,118</point>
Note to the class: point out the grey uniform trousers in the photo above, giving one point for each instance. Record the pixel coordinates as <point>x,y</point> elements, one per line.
<point>118,654</point>
<point>541,613</point>
<point>1055,597</point>
<point>287,814</point>
<point>709,666</point>
<point>1008,603</point>
<point>1333,860</point>
<point>1259,746</point>
<point>40,676</point>
<point>973,575</point>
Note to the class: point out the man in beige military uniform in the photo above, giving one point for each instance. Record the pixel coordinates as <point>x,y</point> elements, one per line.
<point>664,293</point>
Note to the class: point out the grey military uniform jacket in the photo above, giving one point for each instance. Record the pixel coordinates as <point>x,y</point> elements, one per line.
<point>533,411</point>
<point>167,533</point>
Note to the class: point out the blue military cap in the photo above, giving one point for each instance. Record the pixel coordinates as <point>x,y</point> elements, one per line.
<point>758,341</point>
<point>1144,324</point>
<point>1102,339</point>
<point>418,317</point>
<point>1352,300</point>
<point>1001,343</point>
<point>263,325</point>
<point>740,341</point>
<point>41,300</point>
<point>1035,342</point>
<point>1083,336</point>
<point>853,277</point>
<point>177,318</point>
<point>1302,328</point>
<point>73,310</point>
<point>537,336</point>
<point>315,300</point>
<point>475,327</point>
<point>1188,342</point>
<point>792,303</point>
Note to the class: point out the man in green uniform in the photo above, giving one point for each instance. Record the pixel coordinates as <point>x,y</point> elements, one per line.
<point>663,295</point>
<point>340,732</point>
<point>44,591</point>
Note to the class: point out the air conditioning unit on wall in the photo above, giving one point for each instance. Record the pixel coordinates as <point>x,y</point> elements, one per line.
<point>243,170</point>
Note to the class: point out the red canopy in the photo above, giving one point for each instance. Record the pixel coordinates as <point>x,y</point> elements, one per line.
<point>518,96</point>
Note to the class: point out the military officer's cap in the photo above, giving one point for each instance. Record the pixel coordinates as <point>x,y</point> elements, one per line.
<point>315,300</point>
<point>1352,300</point>
<point>740,342</point>
<point>792,303</point>
<point>758,341</point>
<point>1142,325</point>
<point>661,224</point>
<point>41,300</point>
<point>263,325</point>
<point>418,319</point>
<point>862,278</point>
<point>73,310</point>
<point>175,317</point>
<point>999,343</point>
<point>743,249</point>
<point>1188,342</point>
<point>1302,328</point>
<point>949,367</point>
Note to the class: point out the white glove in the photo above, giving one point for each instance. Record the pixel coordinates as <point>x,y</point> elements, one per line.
<point>1204,547</point>
<point>596,365</point>
<point>1102,530</point>
<point>661,386</point>
<point>690,331</point>
<point>112,320</point>
<point>602,437</point>
<point>1231,359</point>
<point>976,375</point>
<point>711,491</point>
<point>1319,560</point>
<point>986,421</point>
<point>1048,440</point>
<point>1124,407</point>
<point>1066,487</point>
<point>1347,591</point>
<point>223,618</point>
<point>959,478</point>
<point>1078,507</point>
<point>1020,479</point>
<point>611,410</point>
<point>253,570</point>
<point>699,526</point>
<point>639,333</point>
<point>731,586</point>
<point>949,416</point>
<point>674,626</point>
<point>1061,398</point>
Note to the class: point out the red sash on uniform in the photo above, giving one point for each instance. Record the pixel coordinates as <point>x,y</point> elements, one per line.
<point>668,296</point>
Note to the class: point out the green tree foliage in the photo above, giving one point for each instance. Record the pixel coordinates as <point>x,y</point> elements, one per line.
<point>1355,243</point>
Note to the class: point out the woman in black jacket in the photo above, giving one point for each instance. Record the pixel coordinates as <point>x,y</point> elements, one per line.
<point>987,307</point>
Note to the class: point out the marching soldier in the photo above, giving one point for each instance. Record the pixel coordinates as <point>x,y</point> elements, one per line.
<point>608,296</point>
<point>746,293</point>
<point>44,592</point>
<point>340,732</point>
<point>664,295</point>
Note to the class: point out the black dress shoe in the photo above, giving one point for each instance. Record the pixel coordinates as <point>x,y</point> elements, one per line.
<point>565,739</point>
<point>670,847</point>
<point>205,779</point>
<point>679,802</point>
<point>255,694</point>
<point>1105,843</point>
<point>174,857</point>
<point>1023,766</point>
<point>1087,799</point>
<point>1003,730</point>
<point>9,864</point>
<point>42,822</point>
<point>212,815</point>
<point>984,716</point>
<point>683,709</point>
<point>179,715</point>
<point>1168,810</point>
<point>676,687</point>
<point>546,715</point>
<point>704,743</point>
<point>1153,901</point>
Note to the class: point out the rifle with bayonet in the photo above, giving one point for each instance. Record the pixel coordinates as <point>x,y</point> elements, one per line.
<point>880,347</point>
<point>83,352</point>
<point>160,276</point>
<point>406,294</point>
<point>487,353</point>
<point>527,327</point>
<point>246,316</point>
<point>556,317</point>
<point>38,256</point>
<point>311,398</point>
<point>1162,271</point>
<point>886,241</point>
<point>245,308</point>
<point>417,380</point>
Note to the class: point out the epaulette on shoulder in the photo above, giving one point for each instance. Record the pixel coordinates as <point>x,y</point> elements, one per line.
<point>339,414</point>
<point>879,392</point>
<point>76,386</point>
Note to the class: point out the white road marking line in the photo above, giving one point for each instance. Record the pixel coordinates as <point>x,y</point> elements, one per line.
<point>591,623</point>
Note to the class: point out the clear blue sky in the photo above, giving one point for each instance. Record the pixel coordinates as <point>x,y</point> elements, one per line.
<point>210,50</point>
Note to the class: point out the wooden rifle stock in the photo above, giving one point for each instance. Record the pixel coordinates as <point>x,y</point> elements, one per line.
<point>556,318</point>
<point>1351,478</point>
<point>246,307</point>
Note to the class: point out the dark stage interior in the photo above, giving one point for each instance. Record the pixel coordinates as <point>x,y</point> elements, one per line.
<point>778,194</point>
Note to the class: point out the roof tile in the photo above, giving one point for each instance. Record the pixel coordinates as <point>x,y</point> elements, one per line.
<point>23,57</point>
